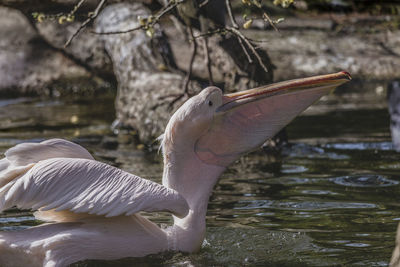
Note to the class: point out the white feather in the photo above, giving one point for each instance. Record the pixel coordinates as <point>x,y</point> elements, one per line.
<point>20,158</point>
<point>25,153</point>
<point>89,186</point>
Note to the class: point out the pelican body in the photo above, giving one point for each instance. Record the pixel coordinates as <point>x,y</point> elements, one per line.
<point>92,209</point>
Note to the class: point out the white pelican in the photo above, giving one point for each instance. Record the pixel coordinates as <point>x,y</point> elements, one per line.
<point>93,208</point>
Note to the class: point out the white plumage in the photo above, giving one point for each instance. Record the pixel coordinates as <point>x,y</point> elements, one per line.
<point>88,186</point>
<point>94,207</point>
<point>22,157</point>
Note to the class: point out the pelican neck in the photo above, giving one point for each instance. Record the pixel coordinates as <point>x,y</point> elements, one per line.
<point>194,180</point>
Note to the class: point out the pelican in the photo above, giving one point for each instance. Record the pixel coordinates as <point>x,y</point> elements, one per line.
<point>92,209</point>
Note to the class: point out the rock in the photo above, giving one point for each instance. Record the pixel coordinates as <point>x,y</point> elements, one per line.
<point>300,52</point>
<point>27,64</point>
<point>86,49</point>
<point>138,63</point>
<point>151,71</point>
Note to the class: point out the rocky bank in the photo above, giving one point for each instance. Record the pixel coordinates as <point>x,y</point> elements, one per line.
<point>149,72</point>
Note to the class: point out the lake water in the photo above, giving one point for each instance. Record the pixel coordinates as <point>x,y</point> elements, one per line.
<point>328,198</point>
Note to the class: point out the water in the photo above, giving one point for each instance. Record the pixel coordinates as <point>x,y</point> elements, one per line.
<point>329,198</point>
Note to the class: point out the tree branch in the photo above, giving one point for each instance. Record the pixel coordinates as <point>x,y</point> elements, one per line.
<point>90,18</point>
<point>249,45</point>
<point>241,39</point>
<point>73,11</point>
<point>244,49</point>
<point>171,5</point>
<point>231,17</point>
<point>267,18</point>
<point>205,2</point>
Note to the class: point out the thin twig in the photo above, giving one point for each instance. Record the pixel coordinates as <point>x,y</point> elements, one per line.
<point>224,31</point>
<point>167,9</point>
<point>209,33</point>
<point>257,41</point>
<point>189,74</point>
<point>267,18</point>
<point>73,11</point>
<point>205,2</point>
<point>162,12</point>
<point>244,49</point>
<point>388,50</point>
<point>120,32</point>
<point>231,17</point>
<point>249,45</point>
<point>241,38</point>
<point>90,18</point>
<point>208,61</point>
<point>186,82</point>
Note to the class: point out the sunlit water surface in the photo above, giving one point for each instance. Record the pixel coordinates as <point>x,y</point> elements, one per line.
<point>329,198</point>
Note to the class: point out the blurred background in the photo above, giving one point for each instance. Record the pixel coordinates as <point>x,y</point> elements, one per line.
<point>324,194</point>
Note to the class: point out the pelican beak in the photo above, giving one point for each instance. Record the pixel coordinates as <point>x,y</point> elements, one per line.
<point>328,81</point>
<point>248,118</point>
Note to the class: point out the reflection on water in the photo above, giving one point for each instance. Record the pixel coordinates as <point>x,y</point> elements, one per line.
<point>362,146</point>
<point>364,181</point>
<point>330,198</point>
<point>302,205</point>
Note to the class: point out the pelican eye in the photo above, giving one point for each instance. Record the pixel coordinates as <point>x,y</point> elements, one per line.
<point>210,103</point>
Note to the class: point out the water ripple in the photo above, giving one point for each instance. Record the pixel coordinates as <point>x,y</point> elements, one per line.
<point>364,180</point>
<point>318,192</point>
<point>306,205</point>
<point>362,146</point>
<point>357,245</point>
<point>289,180</point>
<point>311,152</point>
<point>286,168</point>
<point>7,102</point>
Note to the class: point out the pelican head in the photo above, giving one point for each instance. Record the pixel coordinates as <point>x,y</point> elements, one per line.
<point>220,128</point>
<point>192,120</point>
<point>211,130</point>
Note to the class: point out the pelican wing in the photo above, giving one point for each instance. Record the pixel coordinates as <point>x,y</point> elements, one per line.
<point>88,186</point>
<point>25,153</point>
<point>22,157</point>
